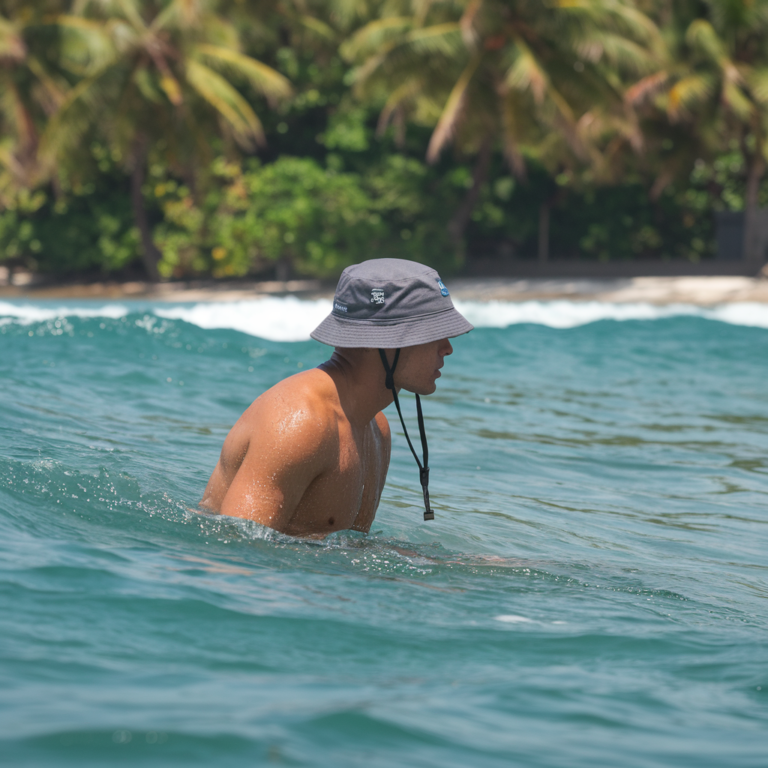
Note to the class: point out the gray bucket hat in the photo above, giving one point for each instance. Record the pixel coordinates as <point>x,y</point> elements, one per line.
<point>390,303</point>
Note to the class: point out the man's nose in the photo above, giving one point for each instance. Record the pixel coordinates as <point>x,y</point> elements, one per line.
<point>446,348</point>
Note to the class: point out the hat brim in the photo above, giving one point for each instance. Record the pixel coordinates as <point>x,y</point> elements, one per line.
<point>350,334</point>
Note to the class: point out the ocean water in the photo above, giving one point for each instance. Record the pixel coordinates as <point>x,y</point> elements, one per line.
<point>593,591</point>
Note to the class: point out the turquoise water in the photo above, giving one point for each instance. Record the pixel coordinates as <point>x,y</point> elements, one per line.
<point>593,591</point>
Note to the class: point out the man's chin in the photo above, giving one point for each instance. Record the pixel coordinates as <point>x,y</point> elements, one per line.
<point>422,391</point>
<point>427,389</point>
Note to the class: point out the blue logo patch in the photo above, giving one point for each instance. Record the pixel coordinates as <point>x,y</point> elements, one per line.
<point>443,289</point>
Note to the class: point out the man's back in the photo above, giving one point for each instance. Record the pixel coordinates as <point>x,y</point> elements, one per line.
<point>296,462</point>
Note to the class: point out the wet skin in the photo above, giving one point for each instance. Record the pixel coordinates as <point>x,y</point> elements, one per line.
<point>310,455</point>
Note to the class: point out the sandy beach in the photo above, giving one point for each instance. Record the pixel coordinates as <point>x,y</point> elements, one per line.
<point>701,291</point>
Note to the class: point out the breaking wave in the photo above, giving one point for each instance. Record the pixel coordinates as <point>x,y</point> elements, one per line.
<point>292,319</point>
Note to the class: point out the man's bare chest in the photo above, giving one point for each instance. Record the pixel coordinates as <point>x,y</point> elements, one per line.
<point>348,492</point>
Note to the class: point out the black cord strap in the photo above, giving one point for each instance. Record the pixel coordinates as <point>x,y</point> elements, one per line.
<point>423,468</point>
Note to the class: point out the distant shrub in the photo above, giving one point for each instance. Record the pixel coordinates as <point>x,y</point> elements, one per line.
<point>87,229</point>
<point>310,219</point>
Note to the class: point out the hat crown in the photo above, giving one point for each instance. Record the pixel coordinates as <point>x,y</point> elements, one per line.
<point>386,269</point>
<point>389,290</point>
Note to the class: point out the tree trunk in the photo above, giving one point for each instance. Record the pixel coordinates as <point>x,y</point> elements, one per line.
<point>458,224</point>
<point>149,251</point>
<point>544,210</point>
<point>753,240</point>
<point>283,270</point>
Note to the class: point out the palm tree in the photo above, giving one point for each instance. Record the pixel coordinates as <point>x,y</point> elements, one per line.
<point>713,83</point>
<point>537,79</point>
<point>30,91</point>
<point>156,79</point>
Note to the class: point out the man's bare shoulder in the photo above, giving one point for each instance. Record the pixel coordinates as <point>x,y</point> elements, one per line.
<point>307,402</point>
<point>283,441</point>
<point>383,424</point>
<point>290,424</point>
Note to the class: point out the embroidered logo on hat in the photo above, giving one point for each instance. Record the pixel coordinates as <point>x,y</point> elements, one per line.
<point>377,296</point>
<point>442,287</point>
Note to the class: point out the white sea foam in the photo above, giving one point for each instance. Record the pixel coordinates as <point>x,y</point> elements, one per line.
<point>511,618</point>
<point>569,314</point>
<point>26,314</point>
<point>742,313</point>
<point>277,319</point>
<point>292,319</point>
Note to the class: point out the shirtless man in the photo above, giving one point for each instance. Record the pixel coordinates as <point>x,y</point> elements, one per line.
<point>310,455</point>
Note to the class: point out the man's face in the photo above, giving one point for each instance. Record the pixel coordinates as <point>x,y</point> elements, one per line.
<point>418,368</point>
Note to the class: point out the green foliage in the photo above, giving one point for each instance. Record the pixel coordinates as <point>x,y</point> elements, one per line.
<point>347,130</point>
<point>543,80</point>
<point>415,203</point>
<point>607,223</point>
<point>88,228</point>
<point>303,136</point>
<point>169,73</point>
<point>315,220</point>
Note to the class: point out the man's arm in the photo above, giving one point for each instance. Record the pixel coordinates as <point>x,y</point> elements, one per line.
<point>287,448</point>
<point>379,459</point>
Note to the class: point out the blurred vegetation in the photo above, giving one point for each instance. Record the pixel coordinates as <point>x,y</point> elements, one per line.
<point>293,137</point>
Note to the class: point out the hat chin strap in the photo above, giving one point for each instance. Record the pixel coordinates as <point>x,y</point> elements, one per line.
<point>423,468</point>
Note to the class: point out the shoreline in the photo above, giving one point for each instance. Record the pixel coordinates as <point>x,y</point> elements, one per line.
<point>696,290</point>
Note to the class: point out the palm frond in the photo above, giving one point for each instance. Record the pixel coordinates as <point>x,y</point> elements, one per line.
<point>405,91</point>
<point>124,36</point>
<point>179,13</point>
<point>215,89</point>
<point>104,7</point>
<point>646,87</point>
<point>689,92</point>
<point>262,77</point>
<point>731,72</point>
<point>620,15</point>
<point>566,128</point>
<point>73,118</point>
<point>359,75</point>
<point>370,38</point>
<point>510,137</point>
<point>616,49</point>
<point>563,108</point>
<point>317,27</point>
<point>11,42</point>
<point>131,12</point>
<point>467,22</point>
<point>701,35</point>
<point>86,43</point>
<point>527,74</point>
<point>757,80</point>
<point>735,100</point>
<point>8,161</point>
<point>439,38</point>
<point>348,11</point>
<point>421,9</point>
<point>171,88</point>
<point>145,82</point>
<point>53,90</point>
<point>18,115</point>
<point>446,126</point>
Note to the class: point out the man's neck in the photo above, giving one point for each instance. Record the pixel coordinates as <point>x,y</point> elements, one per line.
<point>360,381</point>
